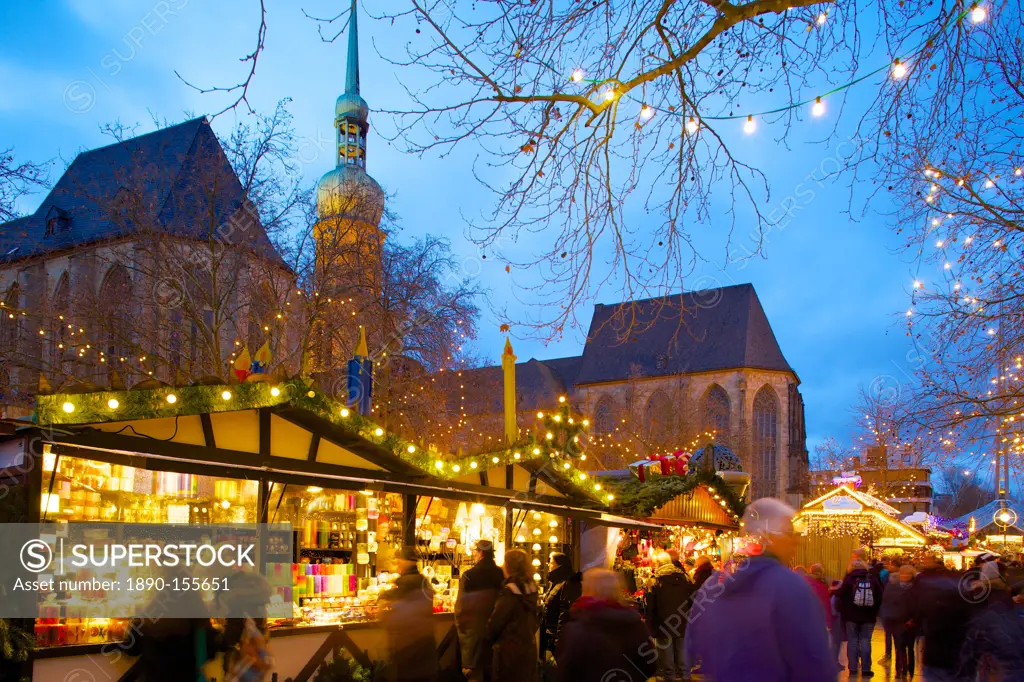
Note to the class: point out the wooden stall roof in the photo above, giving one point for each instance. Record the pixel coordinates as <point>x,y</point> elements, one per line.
<point>288,443</point>
<point>847,501</point>
<point>697,508</point>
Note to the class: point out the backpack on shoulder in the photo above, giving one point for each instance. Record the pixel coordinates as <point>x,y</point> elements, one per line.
<point>863,595</point>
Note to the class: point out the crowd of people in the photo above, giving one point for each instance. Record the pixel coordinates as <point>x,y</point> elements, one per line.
<point>752,618</point>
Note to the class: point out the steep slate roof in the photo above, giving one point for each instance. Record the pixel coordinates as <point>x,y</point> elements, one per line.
<point>481,390</point>
<point>176,180</point>
<point>702,331</point>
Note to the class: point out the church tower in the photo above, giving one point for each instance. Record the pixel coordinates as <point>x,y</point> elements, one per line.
<point>350,204</point>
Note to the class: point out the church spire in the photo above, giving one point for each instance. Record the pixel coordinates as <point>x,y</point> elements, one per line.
<point>352,73</point>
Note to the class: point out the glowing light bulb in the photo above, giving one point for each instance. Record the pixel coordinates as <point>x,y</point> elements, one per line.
<point>113,404</point>
<point>456,468</point>
<point>610,497</point>
<point>439,464</point>
<point>517,455</point>
<point>345,412</point>
<point>566,465</point>
<point>989,184</point>
<point>536,531</point>
<point>536,547</point>
<point>472,465</point>
<point>822,18</point>
<point>692,125</point>
<point>536,577</point>
<point>918,284</point>
<point>899,69</point>
<point>577,75</point>
<point>536,563</point>
<point>171,398</point>
<point>378,432</point>
<point>561,398</point>
<point>609,94</point>
<point>819,107</point>
<point>978,14</point>
<point>411,449</point>
<point>68,407</point>
<point>553,539</point>
<point>494,460</point>
<point>750,126</point>
<point>226,395</point>
<point>275,391</point>
<point>552,524</point>
<point>646,113</point>
<point>1004,517</point>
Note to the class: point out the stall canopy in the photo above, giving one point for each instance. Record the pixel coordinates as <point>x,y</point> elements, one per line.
<point>999,519</point>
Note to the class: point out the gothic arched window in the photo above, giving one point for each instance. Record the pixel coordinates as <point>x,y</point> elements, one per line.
<point>658,420</point>
<point>715,407</point>
<point>604,417</point>
<point>116,297</point>
<point>766,442</point>
<point>60,308</point>
<point>10,323</point>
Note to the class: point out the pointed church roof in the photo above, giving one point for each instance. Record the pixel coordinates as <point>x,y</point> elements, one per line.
<point>350,104</point>
<point>715,329</point>
<point>352,67</point>
<point>176,180</point>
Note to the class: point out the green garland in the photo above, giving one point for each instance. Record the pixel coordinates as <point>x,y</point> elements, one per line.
<point>640,500</point>
<point>169,402</point>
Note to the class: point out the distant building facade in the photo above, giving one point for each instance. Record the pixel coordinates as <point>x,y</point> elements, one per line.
<point>898,481</point>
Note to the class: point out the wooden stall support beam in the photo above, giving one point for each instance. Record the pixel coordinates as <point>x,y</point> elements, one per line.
<point>335,642</point>
<point>208,436</point>
<point>409,502</point>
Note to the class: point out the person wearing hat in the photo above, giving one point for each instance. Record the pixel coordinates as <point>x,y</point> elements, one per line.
<point>478,591</point>
<point>409,624</point>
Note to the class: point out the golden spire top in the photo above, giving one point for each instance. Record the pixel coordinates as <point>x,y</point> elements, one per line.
<point>361,348</point>
<point>508,346</point>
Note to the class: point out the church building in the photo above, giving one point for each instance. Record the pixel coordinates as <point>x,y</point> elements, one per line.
<point>658,375</point>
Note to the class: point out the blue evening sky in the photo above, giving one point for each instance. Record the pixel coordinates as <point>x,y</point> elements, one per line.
<point>833,287</point>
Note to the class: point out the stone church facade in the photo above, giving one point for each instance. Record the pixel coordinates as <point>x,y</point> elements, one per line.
<point>659,375</point>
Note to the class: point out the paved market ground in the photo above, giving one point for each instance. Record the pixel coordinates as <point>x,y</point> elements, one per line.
<point>877,651</point>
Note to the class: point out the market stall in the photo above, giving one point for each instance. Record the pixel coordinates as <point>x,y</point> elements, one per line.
<point>996,526</point>
<point>284,453</point>
<point>845,519</point>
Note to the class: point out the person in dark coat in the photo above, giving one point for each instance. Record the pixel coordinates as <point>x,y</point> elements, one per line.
<point>994,646</point>
<point>668,605</point>
<point>702,572</point>
<point>604,639</point>
<point>859,599</point>
<point>760,621</point>
<point>940,614</point>
<point>478,590</point>
<point>566,586</point>
<point>512,628</point>
<point>895,615</point>
<point>408,622</point>
<point>173,642</point>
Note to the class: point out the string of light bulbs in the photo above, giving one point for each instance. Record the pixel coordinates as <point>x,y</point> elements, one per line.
<point>898,68</point>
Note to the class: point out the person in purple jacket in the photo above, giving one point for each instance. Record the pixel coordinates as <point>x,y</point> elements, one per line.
<point>761,623</point>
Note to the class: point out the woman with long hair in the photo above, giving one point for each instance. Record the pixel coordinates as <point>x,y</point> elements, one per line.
<point>512,627</point>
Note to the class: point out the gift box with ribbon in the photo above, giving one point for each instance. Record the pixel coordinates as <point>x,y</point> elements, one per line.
<point>674,464</point>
